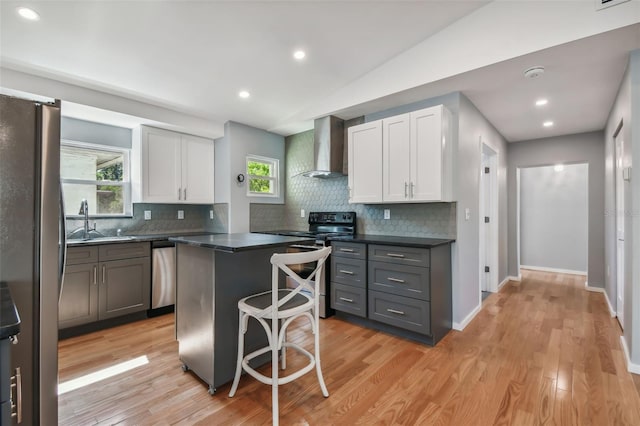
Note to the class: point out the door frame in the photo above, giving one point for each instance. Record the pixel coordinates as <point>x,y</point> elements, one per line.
<point>488,242</point>
<point>620,218</point>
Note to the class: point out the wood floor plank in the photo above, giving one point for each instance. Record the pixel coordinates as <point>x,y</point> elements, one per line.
<point>541,351</point>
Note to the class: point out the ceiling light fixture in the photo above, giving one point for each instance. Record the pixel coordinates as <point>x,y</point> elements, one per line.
<point>28,14</point>
<point>534,72</point>
<point>541,102</point>
<point>299,55</point>
<point>547,123</point>
<point>244,94</point>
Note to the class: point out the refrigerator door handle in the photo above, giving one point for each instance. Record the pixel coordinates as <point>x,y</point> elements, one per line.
<point>62,254</point>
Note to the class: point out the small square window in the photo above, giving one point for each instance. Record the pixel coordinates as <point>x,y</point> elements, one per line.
<point>262,174</point>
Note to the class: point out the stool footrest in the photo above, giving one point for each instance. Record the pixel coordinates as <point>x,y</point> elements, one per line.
<point>283,379</point>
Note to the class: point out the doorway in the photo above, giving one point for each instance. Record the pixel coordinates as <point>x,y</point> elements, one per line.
<point>553,230</point>
<point>488,208</point>
<point>620,172</point>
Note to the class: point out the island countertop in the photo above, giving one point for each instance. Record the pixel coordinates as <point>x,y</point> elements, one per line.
<point>237,242</point>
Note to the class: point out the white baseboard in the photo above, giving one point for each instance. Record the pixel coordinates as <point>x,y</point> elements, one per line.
<point>506,280</point>
<point>612,311</point>
<point>556,270</point>
<point>465,322</point>
<point>514,278</point>
<point>631,367</point>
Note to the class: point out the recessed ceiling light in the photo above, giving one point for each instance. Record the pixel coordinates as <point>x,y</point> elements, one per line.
<point>299,54</point>
<point>244,94</point>
<point>29,14</point>
<point>558,167</point>
<point>541,102</point>
<point>534,72</point>
<point>547,123</point>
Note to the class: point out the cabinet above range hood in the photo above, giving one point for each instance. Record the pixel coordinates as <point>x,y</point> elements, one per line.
<point>328,148</point>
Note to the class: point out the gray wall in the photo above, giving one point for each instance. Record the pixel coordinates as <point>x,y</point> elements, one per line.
<point>553,217</point>
<point>581,148</point>
<point>231,152</point>
<point>626,109</point>
<point>102,134</point>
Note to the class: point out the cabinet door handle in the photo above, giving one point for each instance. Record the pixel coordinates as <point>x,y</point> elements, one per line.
<point>342,271</point>
<point>348,250</point>
<point>405,189</point>
<point>395,280</point>
<point>184,194</point>
<point>17,384</point>
<point>104,280</point>
<point>395,255</point>
<point>179,193</point>
<point>344,299</point>
<point>95,274</point>
<point>393,311</point>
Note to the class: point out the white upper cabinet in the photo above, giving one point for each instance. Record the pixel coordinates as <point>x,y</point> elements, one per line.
<point>415,160</point>
<point>365,158</point>
<point>170,167</point>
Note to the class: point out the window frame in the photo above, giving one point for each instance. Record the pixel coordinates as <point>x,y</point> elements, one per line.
<point>275,178</point>
<point>125,184</point>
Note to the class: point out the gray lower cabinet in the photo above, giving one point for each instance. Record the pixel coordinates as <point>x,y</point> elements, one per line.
<point>408,288</point>
<point>103,282</point>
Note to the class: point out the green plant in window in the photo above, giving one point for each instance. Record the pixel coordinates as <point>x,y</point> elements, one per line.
<point>110,196</point>
<point>259,169</point>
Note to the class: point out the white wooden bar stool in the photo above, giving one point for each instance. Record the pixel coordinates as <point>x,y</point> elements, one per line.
<point>272,307</point>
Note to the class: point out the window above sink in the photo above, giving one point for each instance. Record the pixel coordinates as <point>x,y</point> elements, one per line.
<point>98,173</point>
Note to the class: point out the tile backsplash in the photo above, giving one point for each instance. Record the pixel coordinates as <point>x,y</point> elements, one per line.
<point>437,220</point>
<point>164,219</point>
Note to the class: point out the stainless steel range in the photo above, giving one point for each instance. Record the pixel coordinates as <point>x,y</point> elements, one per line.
<point>322,226</point>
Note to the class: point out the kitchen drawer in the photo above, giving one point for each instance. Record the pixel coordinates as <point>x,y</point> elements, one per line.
<point>397,254</point>
<point>409,281</point>
<point>80,255</point>
<point>349,271</point>
<point>124,251</point>
<point>346,298</point>
<point>399,311</point>
<point>352,250</point>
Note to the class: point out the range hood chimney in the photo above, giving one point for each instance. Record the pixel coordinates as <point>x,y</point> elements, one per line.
<point>328,145</point>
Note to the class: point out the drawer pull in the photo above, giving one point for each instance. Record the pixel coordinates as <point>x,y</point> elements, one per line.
<point>393,311</point>
<point>344,299</point>
<point>342,271</point>
<point>395,255</point>
<point>395,280</point>
<point>348,250</point>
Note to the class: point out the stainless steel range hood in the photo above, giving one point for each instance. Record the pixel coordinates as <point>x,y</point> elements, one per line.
<point>328,146</point>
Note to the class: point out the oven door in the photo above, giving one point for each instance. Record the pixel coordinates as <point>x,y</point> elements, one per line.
<point>306,269</point>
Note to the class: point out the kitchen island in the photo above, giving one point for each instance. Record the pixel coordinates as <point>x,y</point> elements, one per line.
<point>213,273</point>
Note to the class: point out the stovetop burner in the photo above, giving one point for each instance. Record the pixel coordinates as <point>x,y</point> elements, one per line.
<point>323,225</point>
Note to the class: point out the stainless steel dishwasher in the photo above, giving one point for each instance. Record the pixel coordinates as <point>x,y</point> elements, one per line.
<point>163,277</point>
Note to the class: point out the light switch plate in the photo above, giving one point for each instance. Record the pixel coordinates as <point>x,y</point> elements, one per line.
<point>147,215</point>
<point>210,214</point>
<point>387,213</point>
<point>180,214</point>
<point>467,214</point>
<point>302,213</point>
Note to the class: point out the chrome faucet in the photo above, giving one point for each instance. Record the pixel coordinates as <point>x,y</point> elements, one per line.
<point>84,210</point>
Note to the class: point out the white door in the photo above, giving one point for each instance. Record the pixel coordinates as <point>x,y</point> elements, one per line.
<point>426,155</point>
<point>197,170</point>
<point>485,234</point>
<point>365,161</point>
<point>161,165</point>
<point>396,158</point>
<point>620,218</point>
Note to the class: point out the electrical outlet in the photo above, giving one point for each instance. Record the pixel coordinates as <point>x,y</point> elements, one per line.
<point>180,214</point>
<point>302,213</point>
<point>210,214</point>
<point>387,213</point>
<point>147,215</point>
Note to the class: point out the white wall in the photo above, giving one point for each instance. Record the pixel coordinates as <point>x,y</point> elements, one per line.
<point>626,109</point>
<point>553,217</point>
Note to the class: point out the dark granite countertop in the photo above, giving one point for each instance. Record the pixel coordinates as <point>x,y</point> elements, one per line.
<point>394,241</point>
<point>132,238</point>
<point>9,318</point>
<point>238,242</point>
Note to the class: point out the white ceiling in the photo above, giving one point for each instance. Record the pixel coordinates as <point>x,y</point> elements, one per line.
<point>194,57</point>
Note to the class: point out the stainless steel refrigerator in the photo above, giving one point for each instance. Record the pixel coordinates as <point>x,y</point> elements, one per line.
<point>30,260</point>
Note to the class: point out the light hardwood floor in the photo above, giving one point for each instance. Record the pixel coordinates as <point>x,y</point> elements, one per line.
<point>543,351</point>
